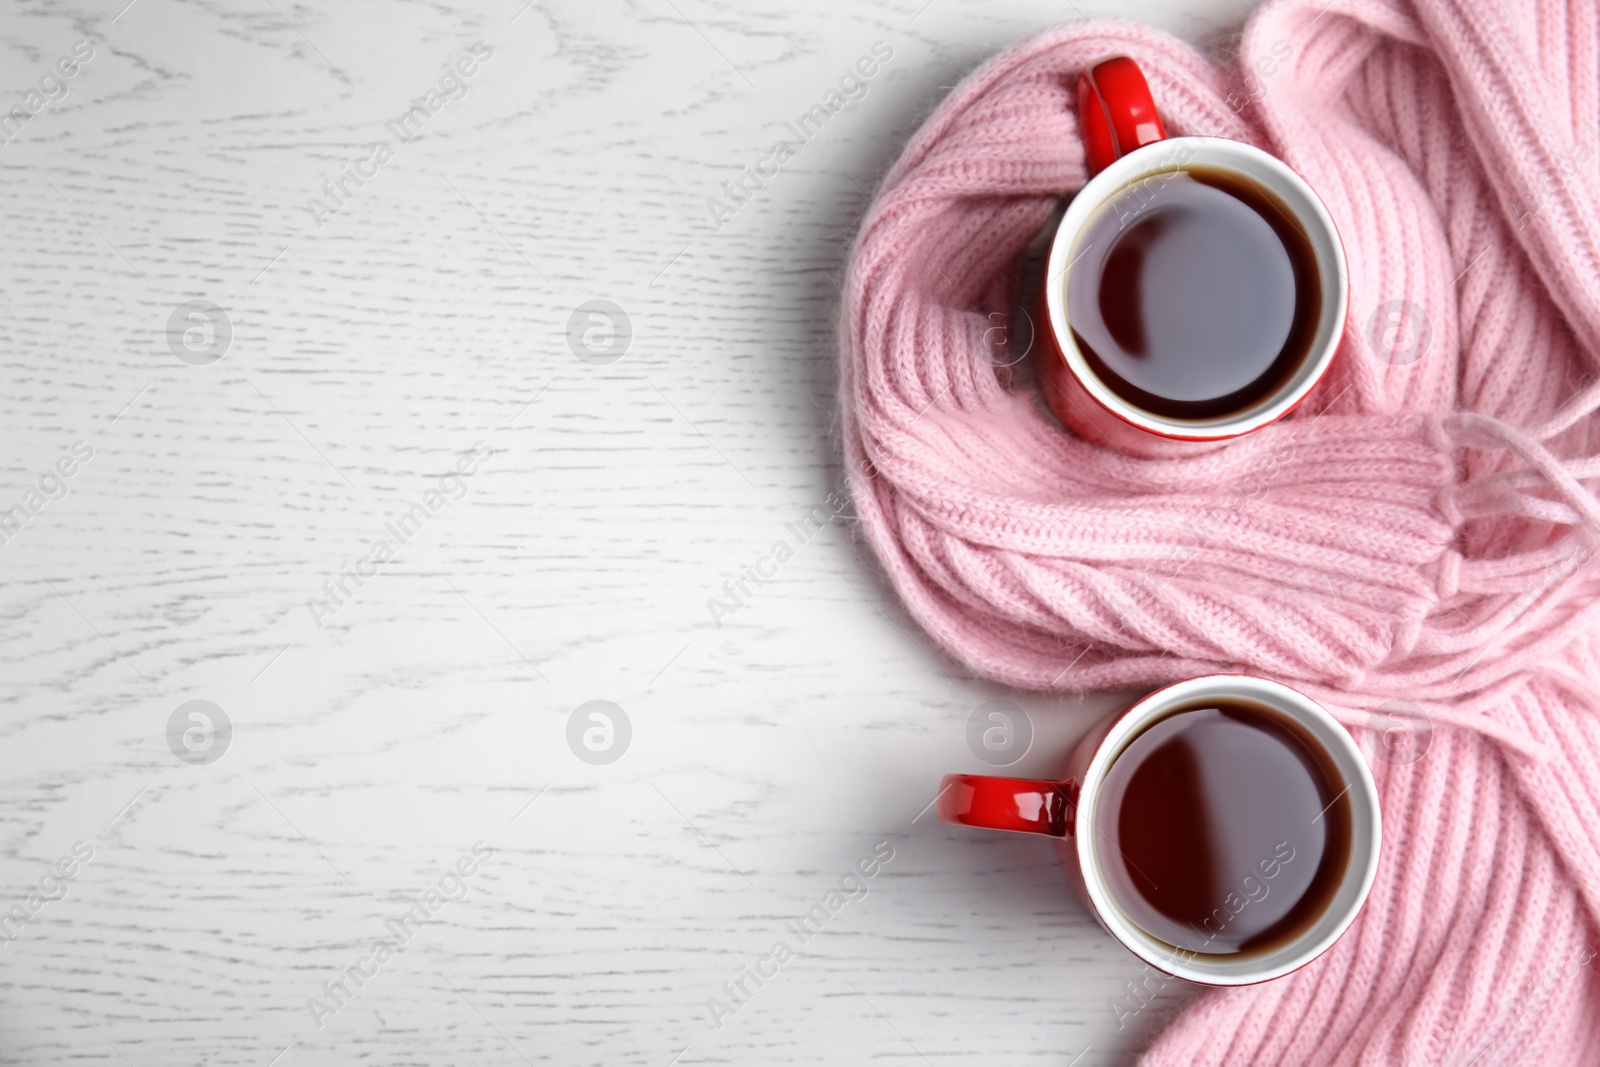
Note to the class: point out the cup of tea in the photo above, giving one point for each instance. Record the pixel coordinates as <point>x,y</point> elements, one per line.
<point>1225,829</point>
<point>1196,287</point>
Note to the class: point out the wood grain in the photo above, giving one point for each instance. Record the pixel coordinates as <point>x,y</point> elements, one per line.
<point>368,355</point>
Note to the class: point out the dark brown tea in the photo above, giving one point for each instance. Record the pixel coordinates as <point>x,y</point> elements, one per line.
<point>1194,293</point>
<point>1222,829</point>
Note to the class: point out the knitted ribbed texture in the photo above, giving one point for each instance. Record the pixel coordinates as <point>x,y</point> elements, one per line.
<point>1416,533</point>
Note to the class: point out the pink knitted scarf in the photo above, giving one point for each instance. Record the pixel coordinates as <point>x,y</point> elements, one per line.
<point>1418,532</point>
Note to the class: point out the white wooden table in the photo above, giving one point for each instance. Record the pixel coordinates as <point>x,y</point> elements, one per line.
<point>367,345</point>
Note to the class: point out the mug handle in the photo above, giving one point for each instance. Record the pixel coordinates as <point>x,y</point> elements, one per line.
<point>1021,805</point>
<point>1116,112</point>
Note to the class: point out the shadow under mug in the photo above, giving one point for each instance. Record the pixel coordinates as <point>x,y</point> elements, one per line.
<point>1127,144</point>
<point>1066,810</point>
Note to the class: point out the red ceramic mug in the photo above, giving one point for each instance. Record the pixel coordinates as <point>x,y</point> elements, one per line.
<point>1127,146</point>
<point>1067,809</point>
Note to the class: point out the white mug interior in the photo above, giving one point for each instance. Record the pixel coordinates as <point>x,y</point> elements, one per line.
<point>1365,833</point>
<point>1251,164</point>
